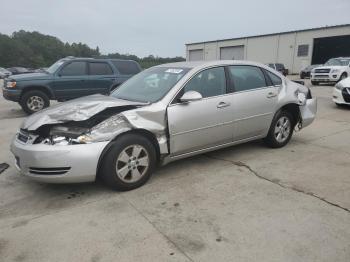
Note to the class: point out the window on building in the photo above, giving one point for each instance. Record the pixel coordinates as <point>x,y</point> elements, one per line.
<point>303,50</point>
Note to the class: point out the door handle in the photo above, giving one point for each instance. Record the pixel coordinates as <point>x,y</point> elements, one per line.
<point>271,94</point>
<point>223,104</point>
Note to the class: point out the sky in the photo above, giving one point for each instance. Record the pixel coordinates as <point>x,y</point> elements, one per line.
<point>162,27</point>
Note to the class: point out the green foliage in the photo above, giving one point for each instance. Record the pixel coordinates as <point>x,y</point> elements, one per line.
<point>35,50</point>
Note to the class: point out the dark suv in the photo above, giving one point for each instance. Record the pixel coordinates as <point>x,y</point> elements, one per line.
<point>66,79</point>
<point>279,67</point>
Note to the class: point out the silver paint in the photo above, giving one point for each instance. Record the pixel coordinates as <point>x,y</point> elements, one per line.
<point>181,129</point>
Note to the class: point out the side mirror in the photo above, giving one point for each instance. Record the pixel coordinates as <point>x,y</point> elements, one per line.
<point>191,96</point>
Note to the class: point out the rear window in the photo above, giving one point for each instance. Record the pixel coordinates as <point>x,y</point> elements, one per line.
<point>100,69</point>
<point>276,81</point>
<point>126,67</point>
<point>246,77</point>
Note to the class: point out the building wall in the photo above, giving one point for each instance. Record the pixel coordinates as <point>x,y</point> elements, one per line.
<point>281,48</point>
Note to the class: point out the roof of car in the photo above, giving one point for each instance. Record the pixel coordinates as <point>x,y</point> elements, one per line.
<point>94,59</point>
<point>194,64</point>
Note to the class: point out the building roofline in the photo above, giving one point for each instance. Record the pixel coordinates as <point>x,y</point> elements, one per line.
<point>272,34</point>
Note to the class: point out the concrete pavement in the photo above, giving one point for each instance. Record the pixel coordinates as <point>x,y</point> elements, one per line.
<point>245,203</point>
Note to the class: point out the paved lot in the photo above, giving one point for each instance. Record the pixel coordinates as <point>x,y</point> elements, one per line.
<point>245,203</point>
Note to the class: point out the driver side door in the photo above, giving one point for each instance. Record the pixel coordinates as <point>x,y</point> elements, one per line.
<point>71,81</point>
<point>203,123</point>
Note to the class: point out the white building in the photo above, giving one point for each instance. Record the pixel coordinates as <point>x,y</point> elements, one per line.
<point>295,49</point>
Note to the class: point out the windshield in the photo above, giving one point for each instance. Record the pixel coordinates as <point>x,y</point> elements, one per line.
<point>52,69</point>
<point>150,85</point>
<point>337,62</point>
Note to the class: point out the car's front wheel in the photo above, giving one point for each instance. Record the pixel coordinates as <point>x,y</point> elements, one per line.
<point>129,162</point>
<point>281,130</point>
<point>34,101</point>
<point>315,83</point>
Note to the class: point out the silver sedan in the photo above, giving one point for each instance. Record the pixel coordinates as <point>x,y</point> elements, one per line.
<point>164,113</point>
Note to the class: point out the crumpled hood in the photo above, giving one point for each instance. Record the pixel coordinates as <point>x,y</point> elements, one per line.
<point>75,110</point>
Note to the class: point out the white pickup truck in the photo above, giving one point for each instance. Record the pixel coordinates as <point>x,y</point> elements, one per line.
<point>333,71</point>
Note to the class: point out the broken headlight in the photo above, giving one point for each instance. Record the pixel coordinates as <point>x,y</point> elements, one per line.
<point>65,135</point>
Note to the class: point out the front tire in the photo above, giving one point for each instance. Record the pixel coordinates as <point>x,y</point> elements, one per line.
<point>34,101</point>
<point>281,130</point>
<point>314,83</point>
<point>129,163</point>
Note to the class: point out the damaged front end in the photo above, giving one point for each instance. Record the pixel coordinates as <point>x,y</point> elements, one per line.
<point>100,127</point>
<point>64,144</point>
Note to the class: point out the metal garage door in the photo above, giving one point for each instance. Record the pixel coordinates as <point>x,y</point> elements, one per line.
<point>196,55</point>
<point>232,53</point>
<point>329,47</point>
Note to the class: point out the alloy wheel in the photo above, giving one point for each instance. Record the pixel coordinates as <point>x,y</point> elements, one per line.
<point>282,129</point>
<point>132,163</point>
<point>35,103</point>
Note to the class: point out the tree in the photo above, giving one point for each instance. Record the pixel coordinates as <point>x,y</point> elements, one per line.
<point>35,50</point>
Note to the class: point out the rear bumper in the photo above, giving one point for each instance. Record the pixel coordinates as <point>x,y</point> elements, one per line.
<point>12,95</point>
<point>308,112</point>
<point>58,164</point>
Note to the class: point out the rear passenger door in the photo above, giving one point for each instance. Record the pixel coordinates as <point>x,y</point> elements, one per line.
<point>254,101</point>
<point>101,77</point>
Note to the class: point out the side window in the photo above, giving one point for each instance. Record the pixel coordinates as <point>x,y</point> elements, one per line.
<point>100,69</point>
<point>126,67</point>
<point>74,69</point>
<point>247,77</point>
<point>210,82</point>
<point>276,81</point>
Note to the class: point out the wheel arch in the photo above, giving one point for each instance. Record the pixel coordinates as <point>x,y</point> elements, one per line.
<point>42,88</point>
<point>143,132</point>
<point>293,109</point>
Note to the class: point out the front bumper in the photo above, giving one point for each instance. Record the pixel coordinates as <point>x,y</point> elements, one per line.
<point>338,97</point>
<point>325,77</point>
<point>11,94</point>
<point>58,164</point>
<point>308,112</point>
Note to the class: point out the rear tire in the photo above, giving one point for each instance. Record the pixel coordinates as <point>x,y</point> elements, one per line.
<point>129,163</point>
<point>281,130</point>
<point>34,101</point>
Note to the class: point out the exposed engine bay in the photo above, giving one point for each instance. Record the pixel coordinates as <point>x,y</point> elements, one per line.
<point>75,132</point>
